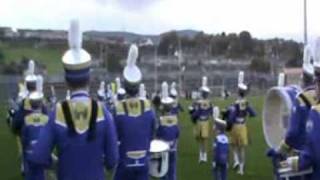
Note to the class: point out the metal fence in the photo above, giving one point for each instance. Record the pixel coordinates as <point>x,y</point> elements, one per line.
<point>259,83</point>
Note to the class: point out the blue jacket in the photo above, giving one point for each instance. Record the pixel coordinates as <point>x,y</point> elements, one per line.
<point>79,158</point>
<point>296,133</point>
<point>241,110</point>
<point>19,116</point>
<point>221,149</point>
<point>168,130</point>
<point>310,155</point>
<point>135,123</point>
<point>176,109</point>
<point>203,110</point>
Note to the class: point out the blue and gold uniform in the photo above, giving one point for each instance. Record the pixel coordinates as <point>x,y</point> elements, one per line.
<point>27,124</point>
<point>135,123</point>
<point>220,156</point>
<point>239,134</point>
<point>84,143</point>
<point>80,129</point>
<point>310,154</point>
<point>202,114</point>
<point>238,117</point>
<point>296,134</point>
<point>168,130</point>
<point>308,120</point>
<point>31,117</point>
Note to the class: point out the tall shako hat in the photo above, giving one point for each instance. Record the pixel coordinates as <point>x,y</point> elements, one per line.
<point>30,73</point>
<point>102,90</point>
<point>316,63</point>
<point>38,93</point>
<point>204,86</point>
<point>173,90</point>
<point>165,98</point>
<point>132,73</point>
<point>307,65</point>
<point>76,60</point>
<point>281,80</point>
<point>142,91</point>
<point>241,84</point>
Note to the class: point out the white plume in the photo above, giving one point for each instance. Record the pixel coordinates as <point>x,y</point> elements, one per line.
<point>216,112</point>
<point>241,77</point>
<point>31,67</point>
<point>102,86</point>
<point>307,54</point>
<point>133,55</point>
<point>281,79</point>
<point>204,81</point>
<point>164,90</point>
<point>53,91</point>
<point>68,95</point>
<point>118,83</point>
<point>75,35</point>
<point>173,85</point>
<point>317,53</point>
<point>39,84</point>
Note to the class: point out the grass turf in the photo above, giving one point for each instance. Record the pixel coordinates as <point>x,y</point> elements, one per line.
<point>50,57</point>
<point>258,167</point>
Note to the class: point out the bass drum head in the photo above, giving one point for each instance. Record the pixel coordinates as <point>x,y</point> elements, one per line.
<point>276,113</point>
<point>159,158</point>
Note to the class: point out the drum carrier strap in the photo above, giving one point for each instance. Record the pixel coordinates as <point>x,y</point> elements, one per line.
<point>92,124</point>
<point>305,100</point>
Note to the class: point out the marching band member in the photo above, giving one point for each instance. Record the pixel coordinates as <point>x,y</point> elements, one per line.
<point>295,137</point>
<point>176,108</point>
<point>201,115</point>
<point>220,148</point>
<point>29,126</point>
<point>24,106</point>
<point>239,134</point>
<point>80,129</point>
<point>296,134</point>
<point>309,156</point>
<point>135,122</point>
<point>168,130</point>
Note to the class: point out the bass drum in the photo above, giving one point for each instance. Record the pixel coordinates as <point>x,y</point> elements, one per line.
<point>277,110</point>
<point>159,158</point>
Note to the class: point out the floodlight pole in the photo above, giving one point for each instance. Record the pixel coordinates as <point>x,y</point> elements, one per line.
<point>155,68</point>
<point>180,70</point>
<point>305,18</point>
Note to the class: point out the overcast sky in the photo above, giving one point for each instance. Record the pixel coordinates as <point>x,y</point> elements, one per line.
<point>263,18</point>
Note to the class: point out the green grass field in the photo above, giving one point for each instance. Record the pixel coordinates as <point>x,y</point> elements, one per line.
<point>50,57</point>
<point>258,166</point>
